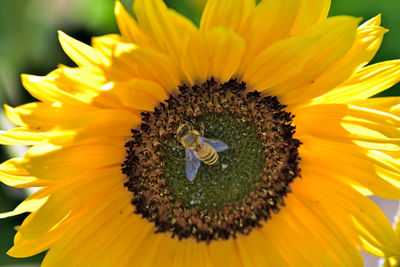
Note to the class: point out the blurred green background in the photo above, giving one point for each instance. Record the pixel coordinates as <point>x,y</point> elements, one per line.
<point>28,44</point>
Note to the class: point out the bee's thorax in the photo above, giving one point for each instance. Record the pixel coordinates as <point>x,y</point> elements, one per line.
<point>191,140</point>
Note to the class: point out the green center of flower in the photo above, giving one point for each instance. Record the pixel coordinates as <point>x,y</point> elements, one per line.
<point>234,194</point>
<point>231,178</point>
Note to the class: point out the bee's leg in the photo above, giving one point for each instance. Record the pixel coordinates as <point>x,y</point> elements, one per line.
<point>202,128</point>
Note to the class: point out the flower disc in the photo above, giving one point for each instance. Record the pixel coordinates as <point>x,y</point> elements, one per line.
<point>249,180</point>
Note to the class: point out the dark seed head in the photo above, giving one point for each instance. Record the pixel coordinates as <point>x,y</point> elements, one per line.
<point>249,181</point>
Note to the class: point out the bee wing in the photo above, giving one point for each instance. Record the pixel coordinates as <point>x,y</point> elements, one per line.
<point>218,145</point>
<point>192,164</point>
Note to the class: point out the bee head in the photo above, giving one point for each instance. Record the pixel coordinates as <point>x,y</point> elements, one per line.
<point>187,136</point>
<point>183,130</point>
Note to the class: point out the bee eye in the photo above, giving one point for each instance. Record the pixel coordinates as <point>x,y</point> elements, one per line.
<point>182,131</point>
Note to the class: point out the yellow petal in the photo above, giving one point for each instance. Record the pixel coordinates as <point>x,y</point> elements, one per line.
<point>22,136</point>
<point>97,117</point>
<point>365,46</point>
<point>278,63</point>
<point>97,224</point>
<point>365,83</point>
<point>106,44</point>
<point>337,37</point>
<point>86,86</point>
<point>261,30</point>
<point>340,121</point>
<point>47,89</point>
<point>368,223</point>
<point>190,252</point>
<point>195,61</point>
<point>80,53</point>
<point>31,204</point>
<point>224,247</point>
<point>13,175</point>
<point>386,162</point>
<point>225,49</point>
<point>55,209</point>
<point>128,27</point>
<point>58,126</point>
<point>385,104</point>
<point>168,29</point>
<point>375,21</point>
<point>55,162</point>
<point>349,163</point>
<point>284,246</point>
<point>252,250</point>
<point>44,116</point>
<point>139,94</point>
<point>149,258</point>
<point>26,247</point>
<point>296,224</point>
<point>339,250</point>
<point>13,116</point>
<point>369,138</point>
<point>146,237</point>
<point>80,81</point>
<point>69,198</point>
<point>82,84</point>
<point>109,124</point>
<point>106,250</point>
<point>22,247</point>
<point>44,88</point>
<point>231,14</point>
<point>132,61</point>
<point>311,13</point>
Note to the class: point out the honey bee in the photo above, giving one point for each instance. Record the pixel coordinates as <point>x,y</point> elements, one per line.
<point>198,148</point>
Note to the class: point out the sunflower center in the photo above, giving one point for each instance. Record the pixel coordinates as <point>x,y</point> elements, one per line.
<point>234,194</point>
<point>231,178</point>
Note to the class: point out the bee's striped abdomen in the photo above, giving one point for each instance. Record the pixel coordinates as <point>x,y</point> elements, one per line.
<point>207,154</point>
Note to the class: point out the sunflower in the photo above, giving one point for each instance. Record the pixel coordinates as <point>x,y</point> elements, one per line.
<point>286,91</point>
